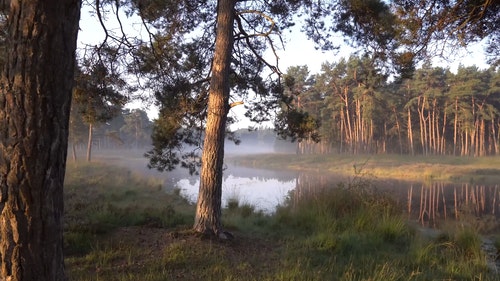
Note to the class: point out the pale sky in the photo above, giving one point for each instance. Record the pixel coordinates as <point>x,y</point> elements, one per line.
<point>298,51</point>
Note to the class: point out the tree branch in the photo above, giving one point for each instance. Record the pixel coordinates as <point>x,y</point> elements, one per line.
<point>233,104</point>
<point>246,37</point>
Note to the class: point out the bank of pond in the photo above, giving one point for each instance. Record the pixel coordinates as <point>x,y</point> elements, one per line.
<point>120,225</point>
<point>427,202</point>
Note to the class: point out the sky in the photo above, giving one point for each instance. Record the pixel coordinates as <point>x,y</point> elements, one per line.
<point>298,51</point>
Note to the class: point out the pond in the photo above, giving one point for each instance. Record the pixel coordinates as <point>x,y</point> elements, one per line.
<point>263,189</point>
<point>425,202</point>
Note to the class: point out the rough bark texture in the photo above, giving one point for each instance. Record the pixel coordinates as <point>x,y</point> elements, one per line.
<point>35,96</point>
<point>208,209</point>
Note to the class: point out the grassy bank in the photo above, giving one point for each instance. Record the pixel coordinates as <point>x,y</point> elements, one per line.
<point>121,226</point>
<point>416,168</point>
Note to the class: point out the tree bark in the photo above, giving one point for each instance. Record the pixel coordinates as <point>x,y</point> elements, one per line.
<point>35,97</point>
<point>208,207</point>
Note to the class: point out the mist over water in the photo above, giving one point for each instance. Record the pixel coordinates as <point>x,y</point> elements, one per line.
<point>262,188</point>
<point>265,189</point>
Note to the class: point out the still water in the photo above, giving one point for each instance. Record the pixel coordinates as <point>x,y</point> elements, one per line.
<point>426,202</point>
<point>263,189</point>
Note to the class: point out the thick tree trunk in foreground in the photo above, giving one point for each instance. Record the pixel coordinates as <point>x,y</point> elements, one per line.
<point>208,208</point>
<point>35,96</point>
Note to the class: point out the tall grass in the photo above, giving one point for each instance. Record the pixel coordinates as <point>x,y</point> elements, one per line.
<point>387,166</point>
<point>121,226</point>
<point>100,198</point>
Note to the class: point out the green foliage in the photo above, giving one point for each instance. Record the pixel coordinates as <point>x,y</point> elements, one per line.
<point>297,125</point>
<point>96,94</point>
<point>137,127</point>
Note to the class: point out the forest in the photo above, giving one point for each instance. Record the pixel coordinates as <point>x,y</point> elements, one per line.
<point>436,112</point>
<point>196,60</point>
<point>358,110</point>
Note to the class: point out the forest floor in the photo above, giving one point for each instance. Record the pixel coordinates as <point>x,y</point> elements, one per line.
<point>157,253</point>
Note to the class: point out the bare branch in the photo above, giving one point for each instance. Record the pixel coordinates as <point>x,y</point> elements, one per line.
<point>246,37</point>
<point>268,18</point>
<point>233,104</point>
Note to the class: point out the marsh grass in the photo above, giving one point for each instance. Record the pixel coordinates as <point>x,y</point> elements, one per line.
<point>387,166</point>
<point>121,226</point>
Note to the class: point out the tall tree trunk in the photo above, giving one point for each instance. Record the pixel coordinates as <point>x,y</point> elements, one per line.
<point>73,150</point>
<point>208,207</point>
<point>410,133</point>
<point>482,137</point>
<point>435,127</point>
<point>342,126</point>
<point>443,133</point>
<point>35,97</point>
<point>494,136</point>
<point>428,133</point>
<point>399,130</point>
<point>358,127</point>
<point>423,134</point>
<point>455,125</point>
<point>350,138</point>
<point>473,130</point>
<point>89,144</point>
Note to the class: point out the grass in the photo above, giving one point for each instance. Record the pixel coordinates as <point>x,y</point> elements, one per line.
<point>100,198</point>
<point>122,226</point>
<point>484,170</point>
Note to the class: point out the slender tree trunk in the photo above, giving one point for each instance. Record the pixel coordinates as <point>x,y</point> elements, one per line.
<point>89,144</point>
<point>370,141</point>
<point>443,133</point>
<point>455,125</point>
<point>349,133</point>
<point>494,136</point>
<point>73,150</point>
<point>482,137</point>
<point>342,126</point>
<point>410,133</point>
<point>466,145</point>
<point>436,137</point>
<point>208,207</point>
<point>35,97</point>
<point>428,132</point>
<point>432,136</point>
<point>423,126</point>
<point>358,127</point>
<point>399,131</point>
<point>473,129</point>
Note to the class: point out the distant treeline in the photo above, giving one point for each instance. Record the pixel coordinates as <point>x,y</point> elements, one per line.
<point>131,128</point>
<point>435,112</point>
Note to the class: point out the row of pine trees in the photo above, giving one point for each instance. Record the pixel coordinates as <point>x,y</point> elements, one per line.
<point>436,112</point>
